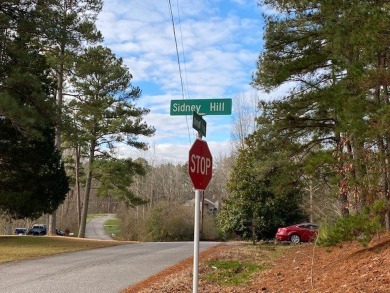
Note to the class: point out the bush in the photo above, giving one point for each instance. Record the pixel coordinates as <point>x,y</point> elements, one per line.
<point>165,222</point>
<point>360,226</point>
<point>132,225</point>
<point>170,222</point>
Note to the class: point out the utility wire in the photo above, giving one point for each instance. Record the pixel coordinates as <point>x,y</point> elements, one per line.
<point>182,50</point>
<point>178,62</point>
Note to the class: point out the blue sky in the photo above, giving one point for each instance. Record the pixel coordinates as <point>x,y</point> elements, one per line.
<point>219,43</point>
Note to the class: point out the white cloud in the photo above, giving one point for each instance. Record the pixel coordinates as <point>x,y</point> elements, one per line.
<point>213,47</point>
<point>173,152</point>
<point>221,48</point>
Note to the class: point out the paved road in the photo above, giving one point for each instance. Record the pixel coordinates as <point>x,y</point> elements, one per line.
<point>95,227</point>
<point>102,270</point>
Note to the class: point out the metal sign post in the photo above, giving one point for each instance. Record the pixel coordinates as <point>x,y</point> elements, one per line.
<point>196,242</point>
<point>200,163</point>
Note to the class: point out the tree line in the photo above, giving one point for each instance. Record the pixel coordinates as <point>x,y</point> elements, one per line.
<point>329,134</point>
<point>321,152</point>
<point>66,102</point>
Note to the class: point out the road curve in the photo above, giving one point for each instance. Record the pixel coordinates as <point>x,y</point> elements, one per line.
<point>102,270</point>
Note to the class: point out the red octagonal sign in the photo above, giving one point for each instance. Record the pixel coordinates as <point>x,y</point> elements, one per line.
<point>200,164</point>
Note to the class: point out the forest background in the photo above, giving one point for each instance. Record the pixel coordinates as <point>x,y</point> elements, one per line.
<point>320,153</point>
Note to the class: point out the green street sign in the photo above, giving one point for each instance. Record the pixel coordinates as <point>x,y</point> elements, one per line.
<point>201,106</point>
<point>198,123</point>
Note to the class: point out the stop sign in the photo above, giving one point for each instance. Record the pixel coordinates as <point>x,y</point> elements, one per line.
<point>200,164</point>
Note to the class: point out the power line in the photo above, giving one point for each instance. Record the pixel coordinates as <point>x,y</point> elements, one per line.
<point>178,62</point>
<point>182,49</point>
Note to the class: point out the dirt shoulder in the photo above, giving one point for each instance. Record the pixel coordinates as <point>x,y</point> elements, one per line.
<point>348,267</point>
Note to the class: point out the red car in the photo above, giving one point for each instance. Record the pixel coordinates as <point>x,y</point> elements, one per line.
<point>298,233</point>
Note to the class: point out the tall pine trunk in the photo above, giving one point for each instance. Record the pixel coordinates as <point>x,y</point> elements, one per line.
<point>59,101</point>
<point>78,186</point>
<point>383,143</point>
<point>84,213</point>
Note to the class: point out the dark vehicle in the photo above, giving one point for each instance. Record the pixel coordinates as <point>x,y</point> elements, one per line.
<point>298,233</point>
<point>20,231</point>
<point>38,230</point>
<point>41,229</point>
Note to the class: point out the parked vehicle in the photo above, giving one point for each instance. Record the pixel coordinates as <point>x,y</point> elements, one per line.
<point>298,233</point>
<point>41,229</point>
<point>20,231</point>
<point>38,230</point>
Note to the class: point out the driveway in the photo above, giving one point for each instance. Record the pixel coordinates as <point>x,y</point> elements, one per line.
<point>95,227</point>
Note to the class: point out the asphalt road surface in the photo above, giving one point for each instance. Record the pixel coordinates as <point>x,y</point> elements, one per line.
<point>100,270</point>
<point>95,227</point>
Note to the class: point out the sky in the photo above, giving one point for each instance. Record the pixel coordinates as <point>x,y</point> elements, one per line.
<point>218,42</point>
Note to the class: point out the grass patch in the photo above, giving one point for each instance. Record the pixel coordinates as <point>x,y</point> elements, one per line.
<point>230,272</point>
<point>26,247</point>
<point>239,264</point>
<point>92,216</point>
<point>112,227</point>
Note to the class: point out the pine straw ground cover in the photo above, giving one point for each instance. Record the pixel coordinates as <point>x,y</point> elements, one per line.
<point>345,268</point>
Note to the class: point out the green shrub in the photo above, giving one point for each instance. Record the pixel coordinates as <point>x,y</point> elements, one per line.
<point>360,226</point>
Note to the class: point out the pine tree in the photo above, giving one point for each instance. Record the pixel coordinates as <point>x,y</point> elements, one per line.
<point>330,50</point>
<point>33,180</point>
<point>104,111</point>
<point>64,27</point>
